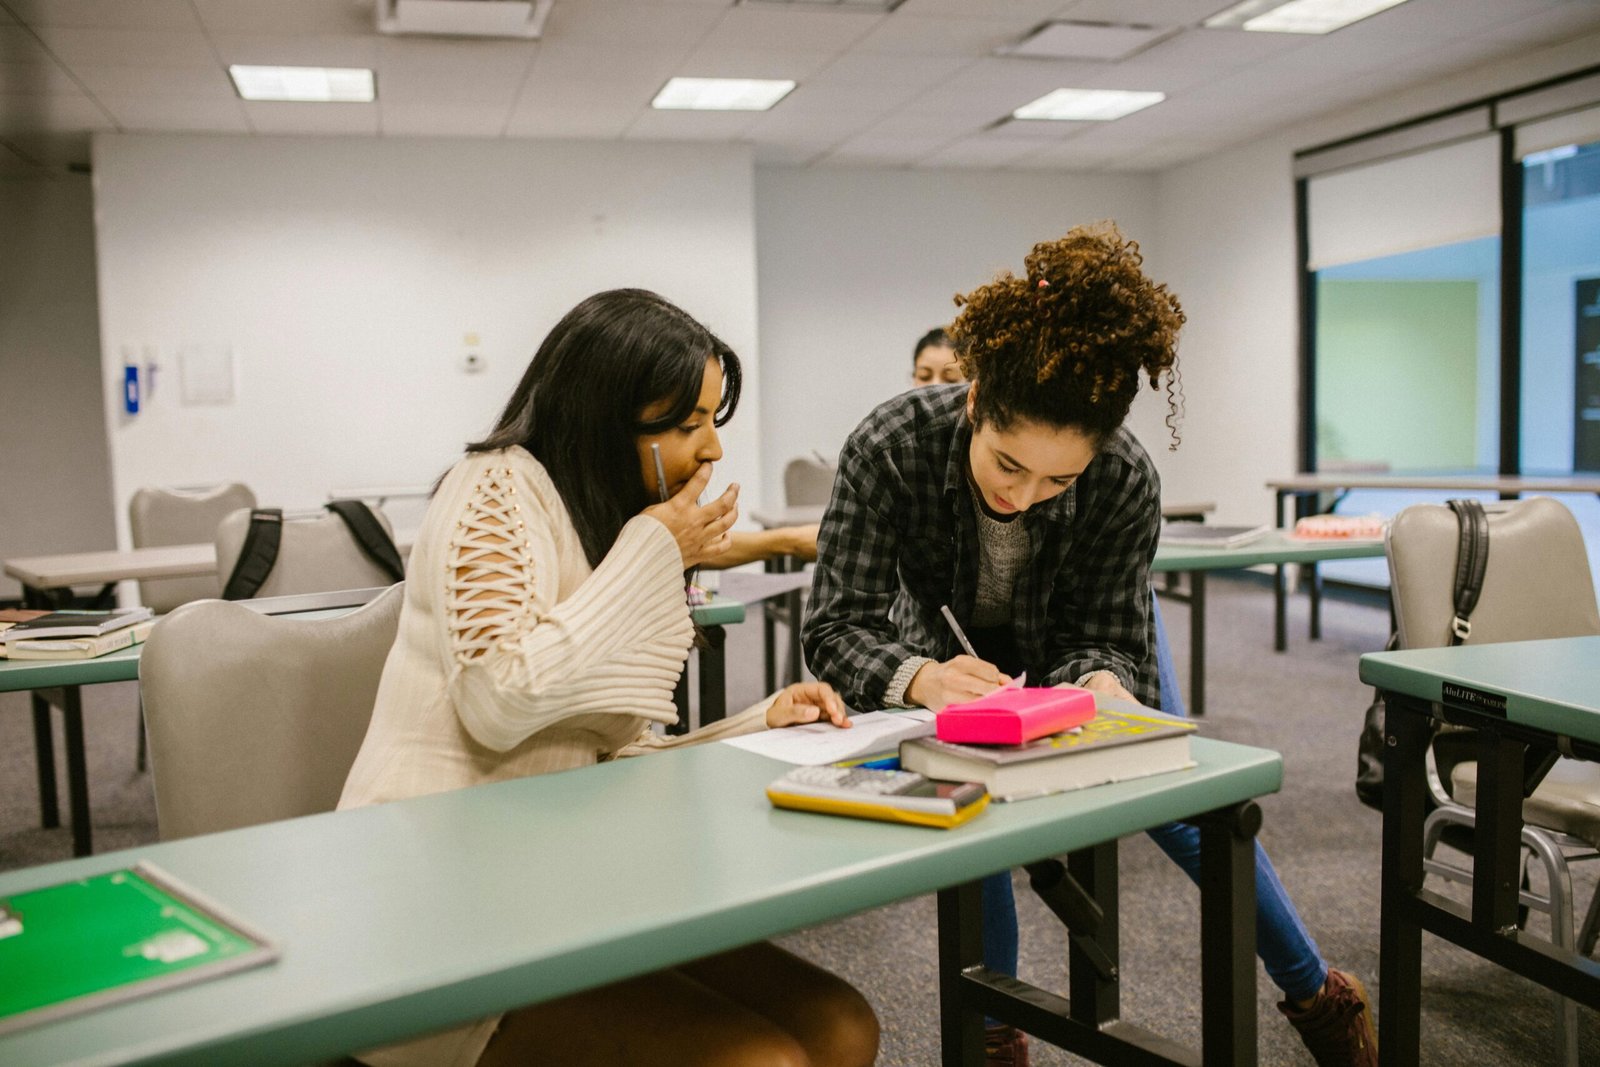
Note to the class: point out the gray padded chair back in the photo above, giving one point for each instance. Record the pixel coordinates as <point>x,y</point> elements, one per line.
<point>1537,585</point>
<point>254,718</point>
<point>159,517</point>
<point>807,481</point>
<point>314,556</point>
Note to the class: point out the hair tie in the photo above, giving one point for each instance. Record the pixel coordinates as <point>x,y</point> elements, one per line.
<point>1044,283</point>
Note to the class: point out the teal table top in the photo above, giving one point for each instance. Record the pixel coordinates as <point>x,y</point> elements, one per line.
<point>1275,547</point>
<point>1551,685</point>
<point>123,665</point>
<point>399,919</point>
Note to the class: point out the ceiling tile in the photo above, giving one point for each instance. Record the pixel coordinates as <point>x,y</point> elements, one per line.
<point>797,28</point>
<point>464,72</point>
<point>130,48</point>
<point>283,50</point>
<point>968,38</point>
<point>1553,27</point>
<point>722,61</point>
<point>608,24</point>
<point>199,82</point>
<point>867,150</point>
<point>169,114</point>
<point>440,120</point>
<point>17,45</point>
<point>284,118</point>
<point>982,151</point>
<point>653,125</point>
<point>1036,132</point>
<point>831,126</point>
<point>62,111</point>
<point>790,153</point>
<point>288,16</point>
<point>1194,57</point>
<point>991,89</point>
<point>1030,11</point>
<point>1148,12</point>
<point>32,78</point>
<point>107,14</point>
<point>595,122</point>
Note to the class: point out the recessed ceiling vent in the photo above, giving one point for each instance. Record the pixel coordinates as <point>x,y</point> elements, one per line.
<point>518,19</point>
<point>1104,41</point>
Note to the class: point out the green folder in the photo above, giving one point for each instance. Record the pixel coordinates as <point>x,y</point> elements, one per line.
<point>80,945</point>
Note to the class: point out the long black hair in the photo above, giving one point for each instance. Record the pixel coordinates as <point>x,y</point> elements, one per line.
<point>577,407</point>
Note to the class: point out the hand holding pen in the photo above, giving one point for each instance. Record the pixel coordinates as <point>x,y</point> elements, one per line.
<point>701,530</point>
<point>965,677</point>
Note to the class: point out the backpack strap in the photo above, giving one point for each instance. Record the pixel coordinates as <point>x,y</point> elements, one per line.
<point>256,557</point>
<point>374,540</point>
<point>1472,559</point>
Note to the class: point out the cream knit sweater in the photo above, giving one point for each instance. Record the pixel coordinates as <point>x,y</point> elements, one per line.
<point>504,668</point>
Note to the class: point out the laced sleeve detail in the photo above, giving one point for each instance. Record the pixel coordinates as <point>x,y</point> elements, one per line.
<point>489,582</point>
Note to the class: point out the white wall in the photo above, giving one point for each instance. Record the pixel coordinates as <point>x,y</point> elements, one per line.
<point>1226,226</point>
<point>344,274</point>
<point>857,264</point>
<point>54,477</point>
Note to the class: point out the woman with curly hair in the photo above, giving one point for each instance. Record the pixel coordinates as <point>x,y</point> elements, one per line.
<point>1020,500</point>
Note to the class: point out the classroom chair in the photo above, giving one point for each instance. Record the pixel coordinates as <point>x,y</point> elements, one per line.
<point>1537,585</point>
<point>315,554</point>
<point>807,482</point>
<point>158,517</point>
<point>255,718</point>
<point>180,516</point>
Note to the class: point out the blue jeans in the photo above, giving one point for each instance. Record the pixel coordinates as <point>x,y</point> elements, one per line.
<point>1292,958</point>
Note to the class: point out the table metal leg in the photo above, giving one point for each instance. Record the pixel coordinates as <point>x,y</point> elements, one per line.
<point>960,948</point>
<point>1407,733</point>
<point>713,676</point>
<point>1095,994</point>
<point>44,756</point>
<point>1497,833</point>
<point>769,644</point>
<point>77,771</point>
<point>1315,574</point>
<point>1197,643</point>
<point>1280,609</point>
<point>1227,935</point>
<point>796,657</point>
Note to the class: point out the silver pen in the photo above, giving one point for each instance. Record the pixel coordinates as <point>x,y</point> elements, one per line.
<point>661,472</point>
<point>955,628</point>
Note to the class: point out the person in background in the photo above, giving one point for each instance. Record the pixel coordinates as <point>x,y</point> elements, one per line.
<point>543,629</point>
<point>933,361</point>
<point>1022,502</point>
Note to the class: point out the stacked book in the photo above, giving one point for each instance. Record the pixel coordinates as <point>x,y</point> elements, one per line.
<point>66,635</point>
<point>1124,740</point>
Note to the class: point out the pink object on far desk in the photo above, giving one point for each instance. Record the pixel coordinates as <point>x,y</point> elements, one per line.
<point>1014,716</point>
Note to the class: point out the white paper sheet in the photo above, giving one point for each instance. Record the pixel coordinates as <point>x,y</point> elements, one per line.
<point>817,743</point>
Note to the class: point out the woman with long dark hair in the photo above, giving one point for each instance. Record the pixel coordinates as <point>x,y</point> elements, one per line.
<point>544,628</point>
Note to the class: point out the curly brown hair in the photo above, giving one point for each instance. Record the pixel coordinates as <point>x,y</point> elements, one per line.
<point>1066,345</point>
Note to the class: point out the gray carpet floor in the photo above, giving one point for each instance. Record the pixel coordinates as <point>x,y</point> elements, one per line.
<point>1305,703</point>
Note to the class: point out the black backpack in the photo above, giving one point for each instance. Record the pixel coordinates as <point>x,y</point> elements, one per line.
<point>261,541</point>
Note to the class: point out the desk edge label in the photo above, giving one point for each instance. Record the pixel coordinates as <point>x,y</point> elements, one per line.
<point>1463,696</point>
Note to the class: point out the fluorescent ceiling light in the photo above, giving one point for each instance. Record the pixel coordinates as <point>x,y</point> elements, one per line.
<point>1297,16</point>
<point>1087,105</point>
<point>721,94</point>
<point>339,85</point>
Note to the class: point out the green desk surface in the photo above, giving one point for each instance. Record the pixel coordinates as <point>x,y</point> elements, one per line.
<point>123,665</point>
<point>1549,685</point>
<point>1275,547</point>
<point>403,918</point>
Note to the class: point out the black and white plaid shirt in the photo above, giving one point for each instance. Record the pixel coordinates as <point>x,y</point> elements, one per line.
<point>899,539</point>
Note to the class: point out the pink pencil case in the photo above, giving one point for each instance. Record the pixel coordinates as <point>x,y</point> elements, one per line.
<point>1014,716</point>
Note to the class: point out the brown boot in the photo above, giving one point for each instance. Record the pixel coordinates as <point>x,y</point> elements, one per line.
<point>1337,1025</point>
<point>1004,1046</point>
